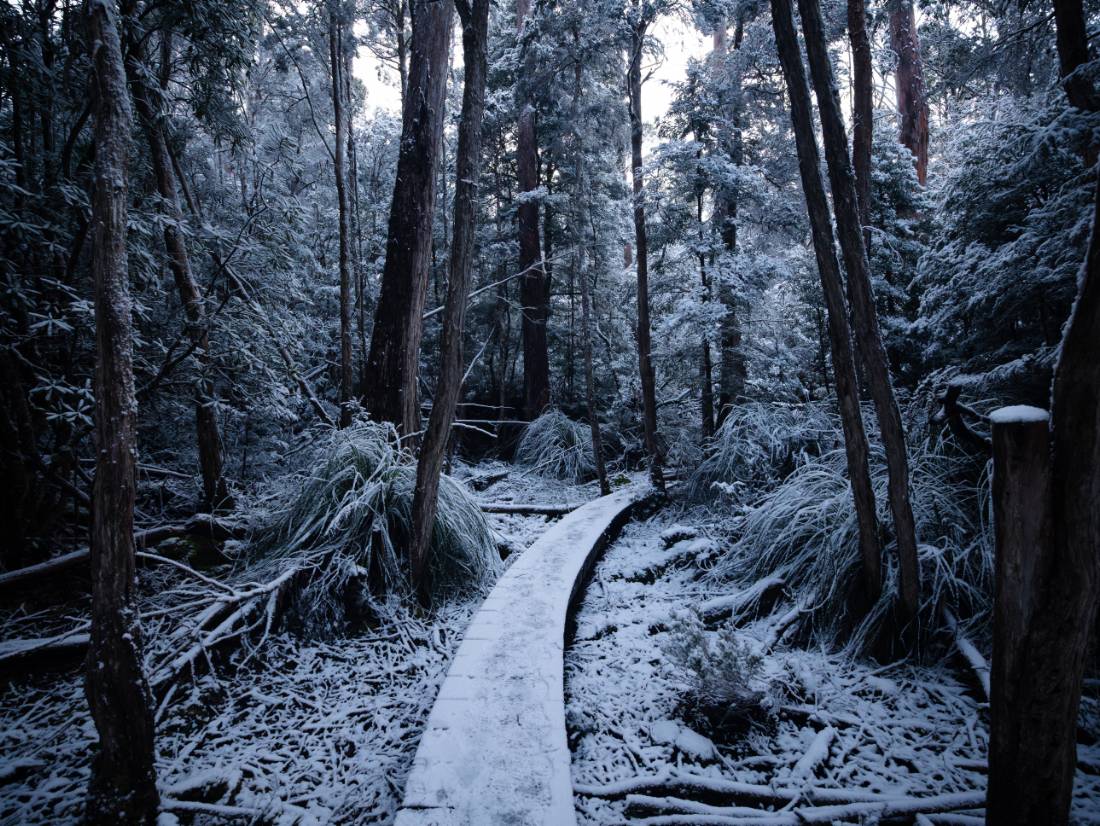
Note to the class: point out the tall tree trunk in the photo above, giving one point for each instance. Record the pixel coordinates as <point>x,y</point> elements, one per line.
<point>862,109</point>
<point>393,365</point>
<point>844,372</point>
<point>865,318</point>
<point>645,362</point>
<point>706,369</point>
<point>912,103</point>
<point>123,784</point>
<point>582,276</point>
<point>534,286</point>
<point>342,117</point>
<point>732,366</point>
<point>215,493</point>
<point>475,23</point>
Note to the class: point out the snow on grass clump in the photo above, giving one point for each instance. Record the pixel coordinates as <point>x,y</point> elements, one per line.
<point>758,444</point>
<point>555,445</point>
<point>351,512</point>
<point>805,532</point>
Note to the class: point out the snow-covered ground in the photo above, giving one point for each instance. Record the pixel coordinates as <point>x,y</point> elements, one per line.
<point>294,731</point>
<point>819,729</point>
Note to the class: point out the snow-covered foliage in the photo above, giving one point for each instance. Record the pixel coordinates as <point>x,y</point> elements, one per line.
<point>805,533</point>
<point>557,446</point>
<point>759,443</point>
<point>353,505</point>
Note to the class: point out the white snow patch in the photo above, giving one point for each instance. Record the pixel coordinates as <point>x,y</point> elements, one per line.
<point>1019,414</point>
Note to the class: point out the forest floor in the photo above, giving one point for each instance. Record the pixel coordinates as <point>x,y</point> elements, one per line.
<point>296,730</point>
<point>306,730</point>
<point>818,731</point>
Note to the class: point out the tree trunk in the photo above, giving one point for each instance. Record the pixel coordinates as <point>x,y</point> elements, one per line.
<point>645,363</point>
<point>1044,633</point>
<point>582,276</point>
<point>865,318</point>
<point>342,117</point>
<point>706,369</point>
<point>123,784</point>
<point>909,79</point>
<point>475,23</point>
<point>215,493</point>
<point>732,367</point>
<point>534,286</point>
<point>862,109</point>
<point>844,372</point>
<point>393,365</point>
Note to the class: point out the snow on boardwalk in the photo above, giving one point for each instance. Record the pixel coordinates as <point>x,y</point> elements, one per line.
<point>494,750</point>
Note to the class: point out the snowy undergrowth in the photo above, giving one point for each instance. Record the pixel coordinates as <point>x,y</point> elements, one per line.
<point>293,731</point>
<point>825,721</point>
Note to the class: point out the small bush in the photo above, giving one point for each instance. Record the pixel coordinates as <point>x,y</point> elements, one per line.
<point>351,516</point>
<point>721,669</point>
<point>557,446</point>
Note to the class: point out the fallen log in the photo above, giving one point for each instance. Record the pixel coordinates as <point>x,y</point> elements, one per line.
<point>734,605</point>
<point>969,651</point>
<point>202,525</point>
<point>49,653</point>
<point>529,510</point>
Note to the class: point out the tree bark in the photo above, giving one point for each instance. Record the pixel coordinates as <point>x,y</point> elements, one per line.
<point>1044,633</point>
<point>582,276</point>
<point>475,23</point>
<point>1073,54</point>
<point>645,362</point>
<point>865,318</point>
<point>862,109</point>
<point>394,362</point>
<point>844,373</point>
<point>534,285</point>
<point>909,79</point>
<point>215,492</point>
<point>123,783</point>
<point>342,117</point>
<point>732,366</point>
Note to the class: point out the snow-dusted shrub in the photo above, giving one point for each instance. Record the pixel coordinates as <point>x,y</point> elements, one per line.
<point>555,445</point>
<point>721,669</point>
<point>805,532</point>
<point>758,443</point>
<point>351,513</point>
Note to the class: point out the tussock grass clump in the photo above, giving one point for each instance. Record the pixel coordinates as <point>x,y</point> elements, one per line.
<point>555,445</point>
<point>349,519</point>
<point>758,444</point>
<point>805,532</point>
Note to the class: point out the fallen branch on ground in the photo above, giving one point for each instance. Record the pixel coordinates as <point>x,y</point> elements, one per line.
<point>533,510</point>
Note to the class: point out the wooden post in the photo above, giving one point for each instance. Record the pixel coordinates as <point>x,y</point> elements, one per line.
<point>1021,513</point>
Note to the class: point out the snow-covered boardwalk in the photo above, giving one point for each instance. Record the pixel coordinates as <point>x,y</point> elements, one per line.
<point>494,750</point>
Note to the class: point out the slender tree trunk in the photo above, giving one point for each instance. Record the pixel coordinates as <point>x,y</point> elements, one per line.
<point>123,784</point>
<point>912,103</point>
<point>732,368</point>
<point>862,109</point>
<point>215,493</point>
<point>582,276</point>
<point>645,362</point>
<point>534,289</point>
<point>393,365</point>
<point>868,337</point>
<point>844,372</point>
<point>475,23</point>
<point>706,369</point>
<point>342,117</point>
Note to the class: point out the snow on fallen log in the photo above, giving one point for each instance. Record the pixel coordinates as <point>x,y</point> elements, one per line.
<point>720,608</point>
<point>816,754</point>
<point>969,651</point>
<point>60,650</point>
<point>524,510</point>
<point>859,804</point>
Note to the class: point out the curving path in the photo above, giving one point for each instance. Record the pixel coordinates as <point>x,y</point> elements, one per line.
<point>494,750</point>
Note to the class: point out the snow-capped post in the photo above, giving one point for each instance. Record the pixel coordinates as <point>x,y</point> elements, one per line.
<point>1021,514</point>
